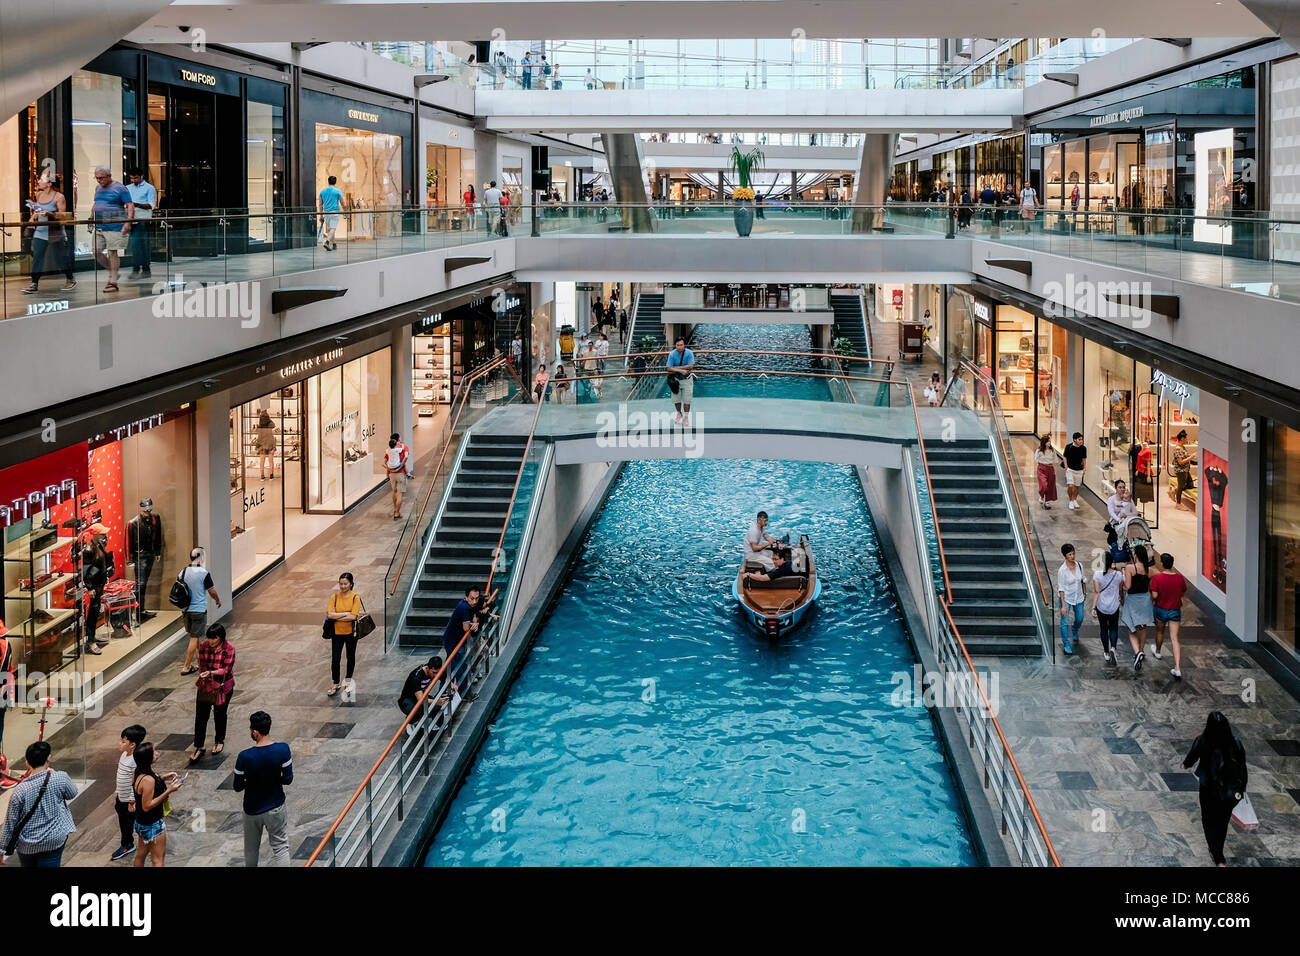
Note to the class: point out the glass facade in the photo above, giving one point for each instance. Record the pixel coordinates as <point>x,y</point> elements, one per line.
<point>1281,535</point>
<point>367,167</point>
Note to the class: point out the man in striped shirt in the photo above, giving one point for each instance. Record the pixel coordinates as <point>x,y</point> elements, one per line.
<point>39,822</point>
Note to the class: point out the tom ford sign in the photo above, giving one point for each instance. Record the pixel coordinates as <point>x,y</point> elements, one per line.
<point>194,76</point>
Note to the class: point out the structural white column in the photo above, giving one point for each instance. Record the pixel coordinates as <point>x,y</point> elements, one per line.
<point>1075,389</point>
<point>402,377</point>
<point>1245,514</point>
<point>871,185</point>
<point>212,491</point>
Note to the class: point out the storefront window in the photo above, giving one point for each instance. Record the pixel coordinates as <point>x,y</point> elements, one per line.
<point>99,130</point>
<point>1107,416</point>
<point>264,146</point>
<point>1015,375</point>
<point>1282,535</point>
<point>367,416</point>
<point>1075,189</point>
<point>265,443</point>
<point>1053,347</point>
<point>1054,176</point>
<point>368,167</point>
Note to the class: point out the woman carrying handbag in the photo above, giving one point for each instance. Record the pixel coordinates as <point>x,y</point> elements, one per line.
<point>216,684</point>
<point>346,622</point>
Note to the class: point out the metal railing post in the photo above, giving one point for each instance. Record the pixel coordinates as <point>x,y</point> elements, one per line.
<point>370,824</point>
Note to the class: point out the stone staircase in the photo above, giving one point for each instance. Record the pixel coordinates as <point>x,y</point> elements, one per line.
<point>991,594</point>
<point>466,537</point>
<point>648,320</point>
<point>850,323</point>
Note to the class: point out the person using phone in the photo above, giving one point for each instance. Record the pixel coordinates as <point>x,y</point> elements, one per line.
<point>151,807</point>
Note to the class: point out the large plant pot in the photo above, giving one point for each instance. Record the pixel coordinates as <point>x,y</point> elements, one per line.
<point>744,216</point>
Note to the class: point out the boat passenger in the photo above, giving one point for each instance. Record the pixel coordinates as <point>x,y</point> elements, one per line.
<point>781,568</point>
<point>758,542</point>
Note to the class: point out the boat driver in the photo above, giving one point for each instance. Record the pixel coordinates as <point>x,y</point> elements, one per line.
<point>758,543</point>
<point>781,568</point>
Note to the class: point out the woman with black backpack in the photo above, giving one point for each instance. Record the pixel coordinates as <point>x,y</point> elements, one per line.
<point>1222,772</point>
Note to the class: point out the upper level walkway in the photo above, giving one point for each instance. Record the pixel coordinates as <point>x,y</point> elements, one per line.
<point>710,109</point>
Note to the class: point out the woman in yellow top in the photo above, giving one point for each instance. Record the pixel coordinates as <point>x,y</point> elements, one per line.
<point>344,609</point>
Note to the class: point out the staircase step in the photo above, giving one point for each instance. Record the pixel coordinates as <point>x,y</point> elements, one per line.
<point>480,533</point>
<point>992,510</point>
<point>962,608</point>
<point>979,558</point>
<point>995,625</point>
<point>473,519</point>
<point>1007,590</point>
<point>481,505</point>
<point>991,575</point>
<point>495,489</point>
<point>1004,646</point>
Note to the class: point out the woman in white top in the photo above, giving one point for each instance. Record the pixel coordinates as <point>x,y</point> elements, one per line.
<point>1108,596</point>
<point>1069,585</point>
<point>1028,203</point>
<point>1046,459</point>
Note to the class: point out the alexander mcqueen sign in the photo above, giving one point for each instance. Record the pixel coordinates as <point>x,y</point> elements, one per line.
<point>1119,116</point>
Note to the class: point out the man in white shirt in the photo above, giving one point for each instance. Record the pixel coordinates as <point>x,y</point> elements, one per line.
<point>602,351</point>
<point>758,542</point>
<point>1121,508</point>
<point>492,203</point>
<point>145,199</point>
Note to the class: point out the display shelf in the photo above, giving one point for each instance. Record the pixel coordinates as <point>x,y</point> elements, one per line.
<point>18,594</point>
<point>57,616</point>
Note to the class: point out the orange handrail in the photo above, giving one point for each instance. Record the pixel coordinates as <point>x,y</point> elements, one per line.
<point>397,737</point>
<point>1006,747</point>
<point>465,386</point>
<point>514,493</point>
<point>1016,492</point>
<point>929,490</point>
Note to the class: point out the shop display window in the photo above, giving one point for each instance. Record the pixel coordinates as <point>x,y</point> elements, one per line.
<point>368,167</point>
<point>1282,535</point>
<point>101,126</point>
<point>1107,416</point>
<point>265,445</point>
<point>431,370</point>
<point>1016,372</point>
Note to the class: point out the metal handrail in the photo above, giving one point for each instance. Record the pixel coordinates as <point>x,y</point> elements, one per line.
<point>1007,453</point>
<point>1002,738</point>
<point>448,430</point>
<point>488,641</point>
<point>929,490</point>
<point>514,494</point>
<point>943,658</point>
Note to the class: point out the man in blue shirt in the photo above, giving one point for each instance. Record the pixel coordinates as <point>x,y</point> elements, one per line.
<point>261,774</point>
<point>684,359</point>
<point>112,211</point>
<point>145,199</point>
<point>527,64</point>
<point>330,203</point>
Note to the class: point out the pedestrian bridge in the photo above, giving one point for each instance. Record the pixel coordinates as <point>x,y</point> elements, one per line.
<point>730,428</point>
<point>709,110</point>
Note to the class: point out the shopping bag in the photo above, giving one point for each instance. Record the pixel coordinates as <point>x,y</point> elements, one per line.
<point>1244,814</point>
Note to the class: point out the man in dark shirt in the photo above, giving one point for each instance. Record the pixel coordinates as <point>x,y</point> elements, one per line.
<point>1076,463</point>
<point>416,682</point>
<point>261,774</point>
<point>781,568</point>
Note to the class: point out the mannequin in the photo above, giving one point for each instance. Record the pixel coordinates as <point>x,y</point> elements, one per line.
<point>144,545</point>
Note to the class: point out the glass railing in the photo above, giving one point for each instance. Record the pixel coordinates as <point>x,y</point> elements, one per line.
<point>491,386</point>
<point>828,137</point>
<point>187,255</point>
<point>694,75</point>
<point>183,252</point>
<point>368,822</point>
<point>975,391</point>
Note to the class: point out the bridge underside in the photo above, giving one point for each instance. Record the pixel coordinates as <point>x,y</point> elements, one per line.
<point>746,429</point>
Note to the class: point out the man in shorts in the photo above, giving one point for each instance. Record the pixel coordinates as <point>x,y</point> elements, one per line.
<point>113,211</point>
<point>1076,463</point>
<point>682,359</point>
<point>1167,590</point>
<point>331,200</point>
<point>395,466</point>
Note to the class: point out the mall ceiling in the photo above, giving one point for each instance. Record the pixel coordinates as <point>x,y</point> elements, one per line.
<point>250,21</point>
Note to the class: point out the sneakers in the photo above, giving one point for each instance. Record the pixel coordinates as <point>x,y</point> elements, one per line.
<point>122,851</point>
<point>686,421</point>
<point>1155,653</point>
<point>1137,662</point>
<point>1074,505</point>
<point>1177,674</point>
<point>1110,658</point>
<point>1069,648</point>
<point>678,420</point>
<point>71,284</point>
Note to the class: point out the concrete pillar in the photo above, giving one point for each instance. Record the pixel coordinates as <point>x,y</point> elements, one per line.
<point>1074,390</point>
<point>1246,525</point>
<point>212,491</point>
<point>623,154</point>
<point>402,376</point>
<point>871,184</point>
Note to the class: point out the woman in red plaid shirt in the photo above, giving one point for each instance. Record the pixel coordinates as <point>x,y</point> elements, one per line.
<point>215,685</point>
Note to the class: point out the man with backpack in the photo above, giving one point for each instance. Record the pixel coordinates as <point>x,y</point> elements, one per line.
<point>190,593</point>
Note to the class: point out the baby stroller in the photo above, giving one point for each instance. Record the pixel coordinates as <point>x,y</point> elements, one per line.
<point>118,602</point>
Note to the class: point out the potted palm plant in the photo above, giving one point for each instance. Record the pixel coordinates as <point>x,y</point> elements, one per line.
<point>743,165</point>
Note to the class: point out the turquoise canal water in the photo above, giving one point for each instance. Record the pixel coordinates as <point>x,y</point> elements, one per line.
<point>651,726</point>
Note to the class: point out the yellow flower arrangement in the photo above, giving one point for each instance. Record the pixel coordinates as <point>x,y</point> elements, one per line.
<point>742,192</point>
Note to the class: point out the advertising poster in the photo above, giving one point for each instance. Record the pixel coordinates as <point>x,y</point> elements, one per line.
<point>1213,187</point>
<point>1213,506</point>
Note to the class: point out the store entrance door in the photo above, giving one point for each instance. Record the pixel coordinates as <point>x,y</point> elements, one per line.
<point>196,163</point>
